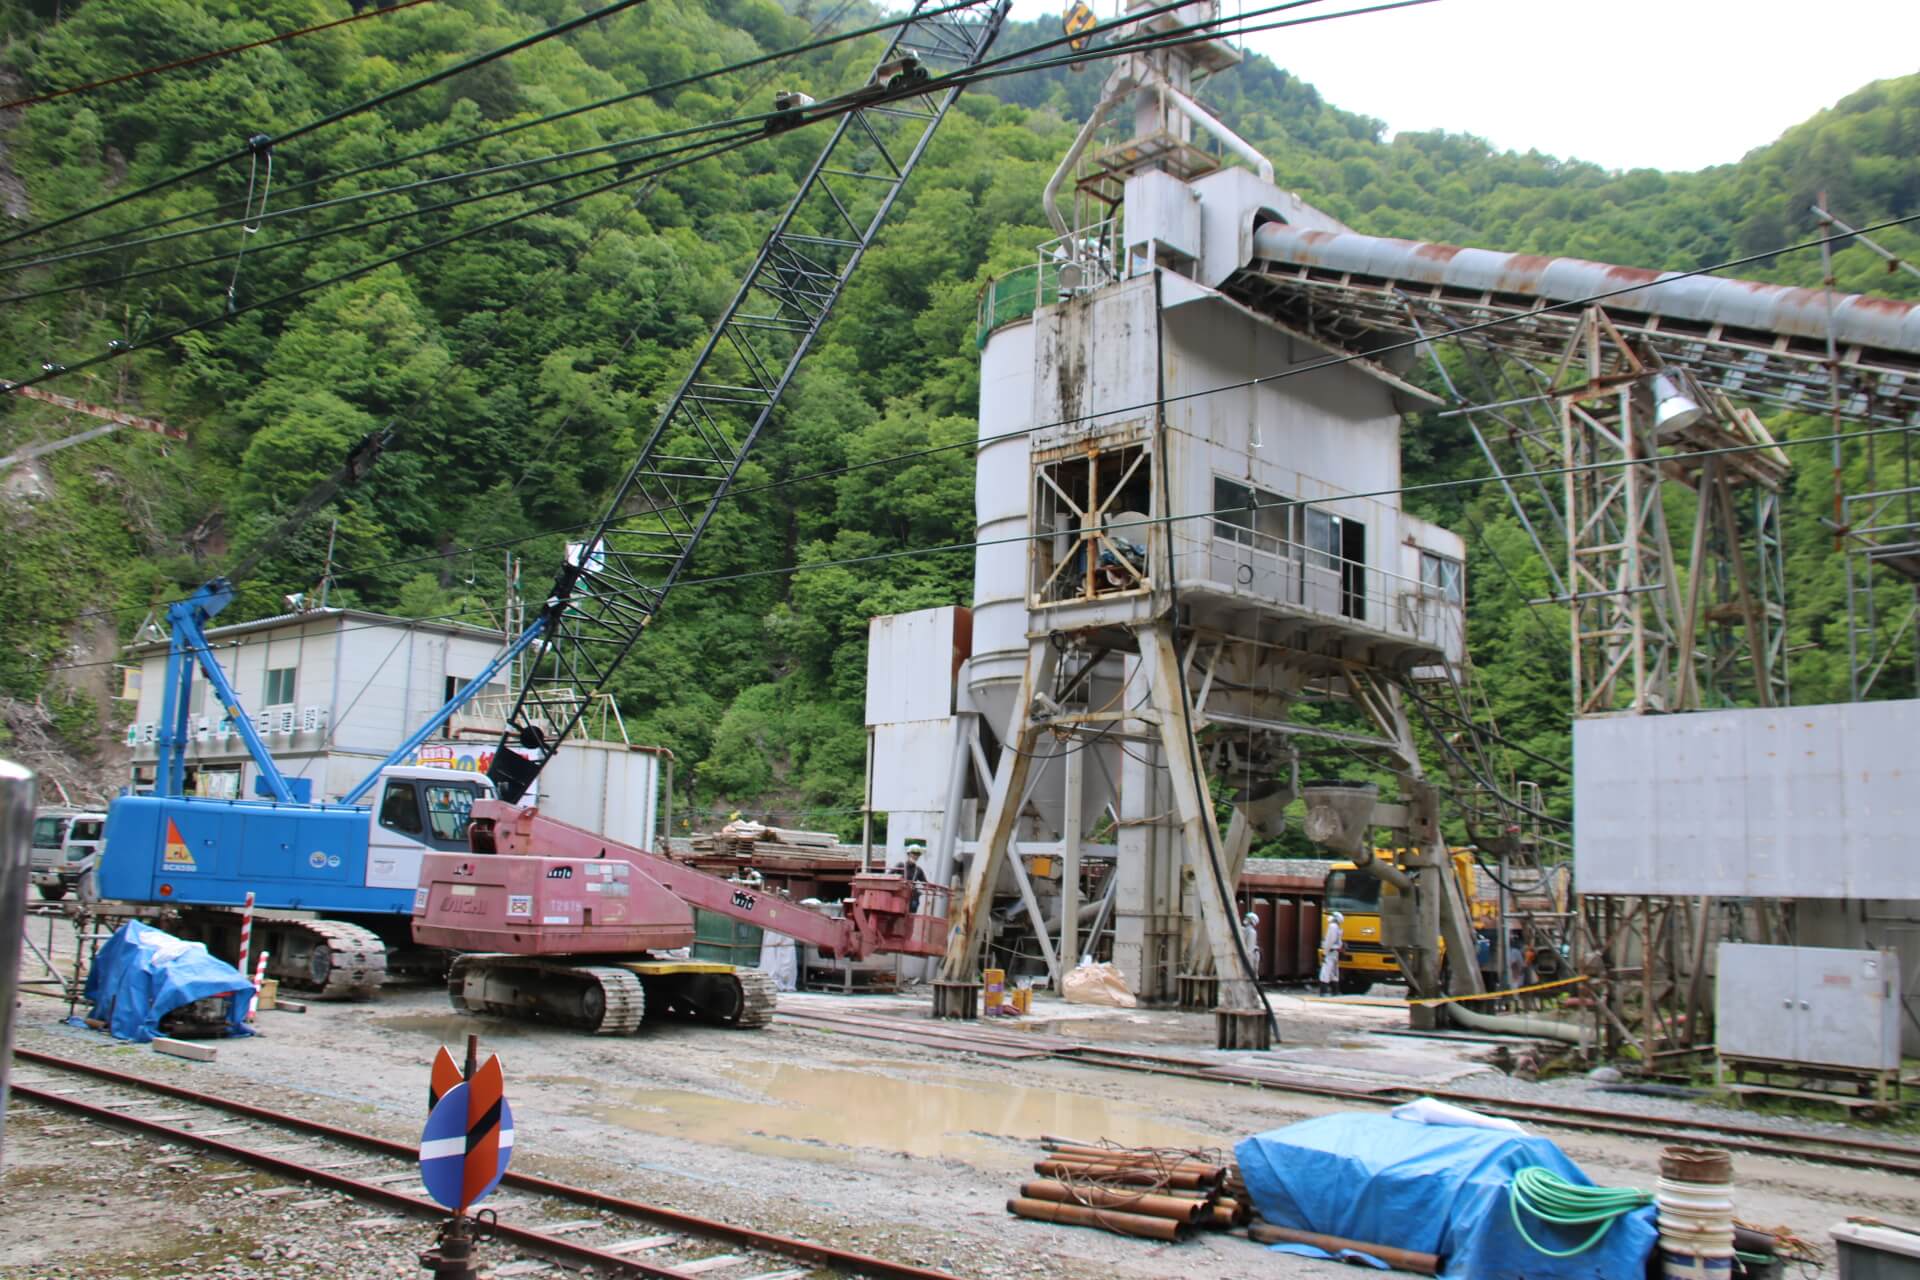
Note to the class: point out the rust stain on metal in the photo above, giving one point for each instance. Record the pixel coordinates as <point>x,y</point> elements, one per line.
<point>1884,306</point>
<point>1433,252</point>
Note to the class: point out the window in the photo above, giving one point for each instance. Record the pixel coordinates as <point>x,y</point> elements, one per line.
<point>448,810</point>
<point>1340,542</point>
<point>400,809</point>
<point>1252,517</point>
<point>279,687</point>
<point>48,833</point>
<point>1323,539</point>
<point>1442,577</point>
<point>1353,891</point>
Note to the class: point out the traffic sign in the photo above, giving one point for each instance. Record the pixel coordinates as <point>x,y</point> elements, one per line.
<point>463,1156</point>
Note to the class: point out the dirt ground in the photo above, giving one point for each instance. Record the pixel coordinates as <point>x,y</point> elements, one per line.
<point>897,1150</point>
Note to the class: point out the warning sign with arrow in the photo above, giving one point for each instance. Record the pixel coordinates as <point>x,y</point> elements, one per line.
<point>468,1141</point>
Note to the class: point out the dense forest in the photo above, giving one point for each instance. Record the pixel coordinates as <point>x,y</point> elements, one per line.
<point>515,369</point>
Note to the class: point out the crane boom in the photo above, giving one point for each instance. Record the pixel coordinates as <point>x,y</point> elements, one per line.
<point>615,582</point>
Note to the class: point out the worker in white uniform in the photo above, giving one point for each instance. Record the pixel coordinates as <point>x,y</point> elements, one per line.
<point>1250,939</point>
<point>1331,941</point>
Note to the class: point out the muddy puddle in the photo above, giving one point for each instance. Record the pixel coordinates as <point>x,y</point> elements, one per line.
<point>830,1114</point>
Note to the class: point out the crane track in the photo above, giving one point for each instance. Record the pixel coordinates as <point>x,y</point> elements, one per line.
<point>594,1243</point>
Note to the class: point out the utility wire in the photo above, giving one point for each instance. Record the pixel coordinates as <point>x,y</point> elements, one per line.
<point>828,110</point>
<point>285,189</point>
<point>335,117</point>
<point>198,58</point>
<point>473,198</point>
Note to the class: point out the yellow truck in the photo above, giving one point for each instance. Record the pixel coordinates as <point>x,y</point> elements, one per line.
<point>1355,894</point>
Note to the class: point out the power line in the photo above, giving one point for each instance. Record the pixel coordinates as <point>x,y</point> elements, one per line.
<point>814,45</point>
<point>198,58</point>
<point>335,117</point>
<point>403,215</point>
<point>832,109</point>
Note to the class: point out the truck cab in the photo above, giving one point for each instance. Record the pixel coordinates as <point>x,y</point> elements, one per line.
<point>66,846</point>
<point>1358,896</point>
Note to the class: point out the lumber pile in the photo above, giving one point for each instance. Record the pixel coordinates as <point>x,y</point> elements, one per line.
<point>1151,1192</point>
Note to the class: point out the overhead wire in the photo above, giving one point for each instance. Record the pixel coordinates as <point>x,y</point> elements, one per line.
<point>810,46</point>
<point>334,117</point>
<point>827,111</point>
<point>209,56</point>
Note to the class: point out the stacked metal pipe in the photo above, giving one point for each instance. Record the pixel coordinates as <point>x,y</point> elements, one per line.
<point>1137,1191</point>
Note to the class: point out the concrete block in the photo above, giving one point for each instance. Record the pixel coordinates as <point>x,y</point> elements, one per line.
<point>191,1050</point>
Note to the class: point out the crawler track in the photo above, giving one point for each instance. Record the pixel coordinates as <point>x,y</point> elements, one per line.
<point>530,1223</point>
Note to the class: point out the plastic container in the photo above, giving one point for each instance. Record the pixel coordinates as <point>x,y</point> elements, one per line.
<point>1696,1229</point>
<point>995,988</point>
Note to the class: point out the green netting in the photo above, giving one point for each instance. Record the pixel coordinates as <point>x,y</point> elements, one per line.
<point>1015,296</point>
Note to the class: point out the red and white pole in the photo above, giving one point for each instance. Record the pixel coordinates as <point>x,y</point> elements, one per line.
<point>259,978</point>
<point>246,931</point>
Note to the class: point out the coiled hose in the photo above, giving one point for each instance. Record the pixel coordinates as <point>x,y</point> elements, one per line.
<point>1552,1199</point>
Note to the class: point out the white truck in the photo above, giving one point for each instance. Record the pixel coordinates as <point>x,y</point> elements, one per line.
<point>66,844</point>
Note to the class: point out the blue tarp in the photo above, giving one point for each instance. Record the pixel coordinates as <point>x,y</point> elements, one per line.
<point>142,974</point>
<point>1438,1189</point>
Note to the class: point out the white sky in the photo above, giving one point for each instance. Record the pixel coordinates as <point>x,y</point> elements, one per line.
<point>1665,84</point>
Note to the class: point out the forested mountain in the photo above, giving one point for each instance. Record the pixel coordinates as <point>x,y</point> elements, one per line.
<point>517,367</point>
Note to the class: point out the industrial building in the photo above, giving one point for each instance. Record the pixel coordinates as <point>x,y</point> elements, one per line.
<point>331,691</point>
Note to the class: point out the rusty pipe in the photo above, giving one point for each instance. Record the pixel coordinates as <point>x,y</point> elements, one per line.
<point>1229,1212</point>
<point>1425,1264</point>
<point>1138,1177</point>
<point>1217,1172</point>
<point>1075,1215</point>
<point>1154,1206</point>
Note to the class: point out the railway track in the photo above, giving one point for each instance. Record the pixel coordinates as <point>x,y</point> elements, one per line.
<point>1830,1149</point>
<point>537,1215</point>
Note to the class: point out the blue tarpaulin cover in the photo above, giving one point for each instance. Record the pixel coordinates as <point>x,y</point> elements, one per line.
<point>1433,1188</point>
<point>142,974</point>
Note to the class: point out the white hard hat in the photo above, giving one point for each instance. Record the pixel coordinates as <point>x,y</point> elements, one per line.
<point>1253,917</point>
<point>1338,918</point>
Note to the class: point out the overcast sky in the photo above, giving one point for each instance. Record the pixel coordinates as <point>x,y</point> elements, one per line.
<point>1666,84</point>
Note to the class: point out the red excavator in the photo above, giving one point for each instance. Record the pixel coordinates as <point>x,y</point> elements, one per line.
<point>563,923</point>
<point>560,924</point>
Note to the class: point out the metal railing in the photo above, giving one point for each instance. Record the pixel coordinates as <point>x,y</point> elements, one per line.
<point>1084,259</point>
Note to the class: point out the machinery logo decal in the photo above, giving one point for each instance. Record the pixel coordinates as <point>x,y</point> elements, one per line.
<point>317,860</point>
<point>178,857</point>
<point>559,873</point>
<point>419,900</point>
<point>519,904</point>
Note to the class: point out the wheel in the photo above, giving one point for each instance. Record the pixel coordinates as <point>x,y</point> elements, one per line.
<point>319,966</point>
<point>1352,986</point>
<point>593,1004</point>
<point>52,892</point>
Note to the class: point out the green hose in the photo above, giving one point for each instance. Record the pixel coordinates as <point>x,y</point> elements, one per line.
<point>1551,1198</point>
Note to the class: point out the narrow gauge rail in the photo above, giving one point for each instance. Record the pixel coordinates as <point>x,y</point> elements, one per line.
<point>1817,1148</point>
<point>380,1176</point>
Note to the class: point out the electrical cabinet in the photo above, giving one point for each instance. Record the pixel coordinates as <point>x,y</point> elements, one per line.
<point>1820,1006</point>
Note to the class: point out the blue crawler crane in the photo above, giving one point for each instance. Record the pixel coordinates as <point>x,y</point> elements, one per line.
<point>333,883</point>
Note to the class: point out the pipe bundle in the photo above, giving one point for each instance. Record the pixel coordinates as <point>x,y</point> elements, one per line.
<point>1137,1191</point>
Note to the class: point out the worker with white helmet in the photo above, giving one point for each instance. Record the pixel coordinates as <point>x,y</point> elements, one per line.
<point>1250,939</point>
<point>915,874</point>
<point>1331,940</point>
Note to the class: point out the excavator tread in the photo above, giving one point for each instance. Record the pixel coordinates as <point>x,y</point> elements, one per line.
<point>623,997</point>
<point>758,998</point>
<point>359,958</point>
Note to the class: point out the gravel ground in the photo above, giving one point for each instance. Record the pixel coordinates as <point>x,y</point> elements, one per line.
<point>890,1148</point>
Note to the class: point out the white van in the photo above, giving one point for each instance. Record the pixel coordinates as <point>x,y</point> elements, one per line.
<point>66,843</point>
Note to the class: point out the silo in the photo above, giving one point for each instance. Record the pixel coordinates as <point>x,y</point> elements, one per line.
<point>1000,498</point>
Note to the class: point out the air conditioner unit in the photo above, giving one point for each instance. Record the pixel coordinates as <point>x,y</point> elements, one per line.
<point>283,720</point>
<point>313,719</point>
<point>202,729</point>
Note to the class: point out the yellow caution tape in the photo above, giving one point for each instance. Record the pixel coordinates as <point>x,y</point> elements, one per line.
<point>1495,995</point>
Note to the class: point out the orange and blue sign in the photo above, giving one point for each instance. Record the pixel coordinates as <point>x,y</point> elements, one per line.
<point>468,1141</point>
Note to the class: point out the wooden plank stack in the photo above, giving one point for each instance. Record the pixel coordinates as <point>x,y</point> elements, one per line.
<point>1151,1192</point>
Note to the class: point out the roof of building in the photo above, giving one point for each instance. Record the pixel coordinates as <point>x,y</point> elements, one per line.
<point>362,617</point>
